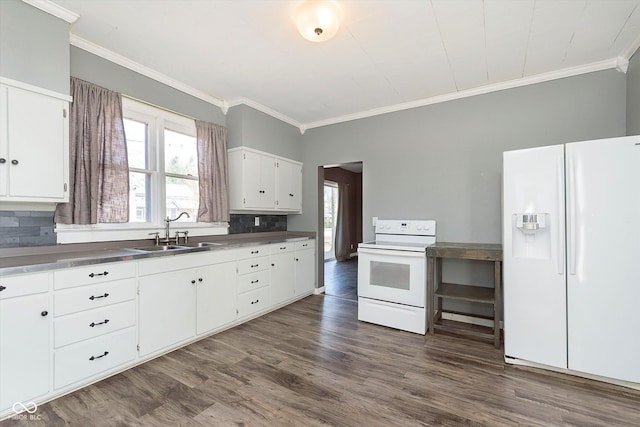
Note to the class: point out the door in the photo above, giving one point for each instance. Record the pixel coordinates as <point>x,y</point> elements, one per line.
<point>330,215</point>
<point>289,185</point>
<point>603,247</point>
<point>36,153</point>
<point>282,276</point>
<point>392,275</point>
<point>166,310</point>
<point>216,302</point>
<point>260,180</point>
<point>24,349</point>
<point>305,270</point>
<point>534,273</point>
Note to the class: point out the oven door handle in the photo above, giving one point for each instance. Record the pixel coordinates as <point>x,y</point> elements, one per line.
<point>389,252</point>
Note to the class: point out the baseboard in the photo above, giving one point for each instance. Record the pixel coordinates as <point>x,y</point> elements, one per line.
<point>318,291</point>
<point>473,320</point>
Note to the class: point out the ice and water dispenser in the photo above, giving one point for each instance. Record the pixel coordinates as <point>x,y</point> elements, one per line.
<point>531,235</point>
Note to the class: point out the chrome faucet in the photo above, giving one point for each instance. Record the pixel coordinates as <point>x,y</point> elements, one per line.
<point>168,221</point>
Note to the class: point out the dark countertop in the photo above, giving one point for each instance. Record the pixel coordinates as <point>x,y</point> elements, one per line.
<point>44,258</point>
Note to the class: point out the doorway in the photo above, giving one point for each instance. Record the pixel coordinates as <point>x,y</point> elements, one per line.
<point>340,212</point>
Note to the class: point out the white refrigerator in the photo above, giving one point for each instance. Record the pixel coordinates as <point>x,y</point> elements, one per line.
<point>571,241</point>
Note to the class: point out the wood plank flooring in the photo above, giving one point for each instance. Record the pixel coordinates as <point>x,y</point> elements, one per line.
<point>313,363</point>
<point>341,278</point>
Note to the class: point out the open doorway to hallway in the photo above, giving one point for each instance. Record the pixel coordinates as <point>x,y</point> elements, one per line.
<point>341,227</point>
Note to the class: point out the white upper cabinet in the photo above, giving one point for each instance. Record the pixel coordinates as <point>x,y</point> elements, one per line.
<point>263,182</point>
<point>34,145</point>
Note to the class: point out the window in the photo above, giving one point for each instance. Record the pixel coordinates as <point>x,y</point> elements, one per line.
<point>163,164</point>
<point>163,179</point>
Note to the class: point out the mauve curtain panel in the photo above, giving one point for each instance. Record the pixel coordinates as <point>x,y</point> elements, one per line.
<point>342,242</point>
<point>212,172</point>
<point>98,166</point>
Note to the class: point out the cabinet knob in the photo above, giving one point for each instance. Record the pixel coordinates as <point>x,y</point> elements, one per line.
<point>193,282</point>
<point>44,313</point>
<point>14,162</point>
<point>3,160</point>
<point>2,288</point>
<point>200,279</point>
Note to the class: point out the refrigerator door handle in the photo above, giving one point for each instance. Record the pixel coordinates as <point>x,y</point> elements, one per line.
<point>560,217</point>
<point>571,217</point>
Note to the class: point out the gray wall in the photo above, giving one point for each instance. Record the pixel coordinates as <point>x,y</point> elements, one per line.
<point>444,161</point>
<point>633,95</point>
<point>94,69</point>
<point>34,46</point>
<point>255,129</point>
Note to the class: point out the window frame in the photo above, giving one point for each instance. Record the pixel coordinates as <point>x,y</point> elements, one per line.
<point>157,119</point>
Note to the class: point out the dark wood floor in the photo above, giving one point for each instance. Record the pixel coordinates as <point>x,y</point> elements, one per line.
<point>312,363</point>
<point>341,278</point>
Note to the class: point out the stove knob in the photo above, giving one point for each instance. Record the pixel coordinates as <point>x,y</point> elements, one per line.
<point>388,227</point>
<point>419,227</point>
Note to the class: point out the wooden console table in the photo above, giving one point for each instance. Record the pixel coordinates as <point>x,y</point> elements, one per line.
<point>470,251</point>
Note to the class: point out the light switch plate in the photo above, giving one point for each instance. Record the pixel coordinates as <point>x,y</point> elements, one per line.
<point>375,220</point>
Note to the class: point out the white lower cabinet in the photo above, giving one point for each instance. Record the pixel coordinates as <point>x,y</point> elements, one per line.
<point>92,357</point>
<point>216,296</point>
<point>25,350</point>
<point>282,272</point>
<point>305,267</point>
<point>166,310</point>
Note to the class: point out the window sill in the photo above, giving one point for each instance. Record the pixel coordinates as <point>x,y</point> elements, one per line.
<point>113,232</point>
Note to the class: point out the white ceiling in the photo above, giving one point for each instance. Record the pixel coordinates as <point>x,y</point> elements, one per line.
<point>387,55</point>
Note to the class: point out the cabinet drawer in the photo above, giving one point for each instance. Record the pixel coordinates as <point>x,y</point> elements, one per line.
<point>24,284</point>
<point>253,301</point>
<point>89,358</point>
<point>282,247</point>
<point>87,297</point>
<point>305,244</point>
<point>252,265</point>
<point>93,323</point>
<point>251,281</point>
<point>254,251</point>
<point>97,273</point>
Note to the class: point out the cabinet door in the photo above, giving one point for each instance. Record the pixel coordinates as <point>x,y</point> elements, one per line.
<point>305,271</point>
<point>289,185</point>
<point>167,314</point>
<point>24,349</point>
<point>259,180</point>
<point>37,142</point>
<point>282,277</point>
<point>216,296</point>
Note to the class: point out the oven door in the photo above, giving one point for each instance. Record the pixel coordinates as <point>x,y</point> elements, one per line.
<point>393,275</point>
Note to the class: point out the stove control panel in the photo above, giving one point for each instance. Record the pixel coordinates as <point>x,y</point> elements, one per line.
<point>409,227</point>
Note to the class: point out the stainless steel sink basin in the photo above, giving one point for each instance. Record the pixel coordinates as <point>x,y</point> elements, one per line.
<point>163,248</point>
<point>207,244</point>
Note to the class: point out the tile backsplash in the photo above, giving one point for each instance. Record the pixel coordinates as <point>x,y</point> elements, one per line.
<point>26,228</point>
<point>245,223</point>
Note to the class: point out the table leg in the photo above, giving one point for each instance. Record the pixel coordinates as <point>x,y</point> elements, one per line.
<point>430,291</point>
<point>438,283</point>
<point>497,303</point>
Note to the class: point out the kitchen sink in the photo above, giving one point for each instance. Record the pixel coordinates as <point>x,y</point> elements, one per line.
<point>163,248</point>
<point>207,244</point>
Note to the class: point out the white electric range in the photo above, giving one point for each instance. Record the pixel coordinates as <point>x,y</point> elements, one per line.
<point>392,275</point>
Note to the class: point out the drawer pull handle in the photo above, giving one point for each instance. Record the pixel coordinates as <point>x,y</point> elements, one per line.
<point>255,281</point>
<point>98,357</point>
<point>93,325</point>
<point>261,191</point>
<point>44,313</point>
<point>98,274</point>
<point>283,247</point>
<point>290,194</point>
<point>255,252</point>
<point>92,297</point>
<point>304,245</point>
<point>2,288</point>
<point>254,302</point>
<point>255,265</point>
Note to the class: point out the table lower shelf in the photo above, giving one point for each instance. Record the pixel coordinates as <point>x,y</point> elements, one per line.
<point>459,328</point>
<point>466,293</point>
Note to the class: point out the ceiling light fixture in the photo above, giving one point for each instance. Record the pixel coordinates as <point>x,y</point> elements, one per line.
<point>318,20</point>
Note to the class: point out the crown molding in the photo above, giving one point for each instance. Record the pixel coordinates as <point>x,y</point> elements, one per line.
<point>271,112</point>
<point>633,47</point>
<point>111,56</point>
<point>525,81</point>
<point>54,9</point>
